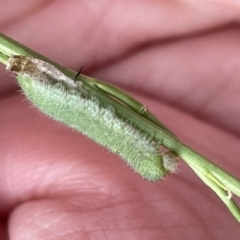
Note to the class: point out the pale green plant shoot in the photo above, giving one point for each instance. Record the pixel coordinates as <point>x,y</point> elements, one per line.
<point>122,110</point>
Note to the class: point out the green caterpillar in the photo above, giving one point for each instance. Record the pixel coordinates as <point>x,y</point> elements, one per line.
<point>65,100</point>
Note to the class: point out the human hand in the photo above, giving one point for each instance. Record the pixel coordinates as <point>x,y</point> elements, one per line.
<point>177,59</point>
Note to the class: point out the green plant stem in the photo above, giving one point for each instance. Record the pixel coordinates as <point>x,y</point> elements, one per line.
<point>221,182</point>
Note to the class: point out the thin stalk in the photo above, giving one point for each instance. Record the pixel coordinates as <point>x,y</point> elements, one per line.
<point>129,109</point>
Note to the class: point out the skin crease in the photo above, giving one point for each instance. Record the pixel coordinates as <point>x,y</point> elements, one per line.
<point>182,60</point>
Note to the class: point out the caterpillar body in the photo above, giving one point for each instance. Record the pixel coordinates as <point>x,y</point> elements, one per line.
<point>63,99</point>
